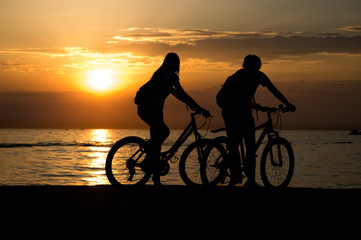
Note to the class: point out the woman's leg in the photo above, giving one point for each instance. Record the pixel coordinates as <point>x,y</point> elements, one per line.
<point>158,134</point>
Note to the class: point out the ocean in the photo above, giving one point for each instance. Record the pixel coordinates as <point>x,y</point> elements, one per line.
<point>323,159</point>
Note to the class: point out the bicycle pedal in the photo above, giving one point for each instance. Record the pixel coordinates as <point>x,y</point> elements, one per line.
<point>241,177</point>
<point>131,177</point>
<point>174,159</point>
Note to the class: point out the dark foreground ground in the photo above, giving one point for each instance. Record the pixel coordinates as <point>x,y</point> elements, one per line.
<point>22,199</point>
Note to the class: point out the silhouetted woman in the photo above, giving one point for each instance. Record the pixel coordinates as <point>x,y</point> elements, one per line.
<point>150,100</point>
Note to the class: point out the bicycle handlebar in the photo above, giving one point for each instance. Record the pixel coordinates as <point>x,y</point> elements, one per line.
<point>218,130</point>
<point>195,113</point>
<point>268,110</point>
<point>272,109</point>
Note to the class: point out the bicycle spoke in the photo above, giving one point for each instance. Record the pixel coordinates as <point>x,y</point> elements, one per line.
<point>123,162</point>
<point>192,167</point>
<point>277,164</point>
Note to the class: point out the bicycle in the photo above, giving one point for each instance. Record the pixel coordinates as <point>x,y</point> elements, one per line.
<point>124,161</point>
<point>277,160</point>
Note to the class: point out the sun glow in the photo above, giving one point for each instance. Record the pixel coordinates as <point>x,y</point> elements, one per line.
<point>100,80</point>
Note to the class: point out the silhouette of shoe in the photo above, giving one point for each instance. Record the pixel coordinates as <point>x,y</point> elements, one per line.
<point>235,180</point>
<point>157,184</point>
<point>156,181</point>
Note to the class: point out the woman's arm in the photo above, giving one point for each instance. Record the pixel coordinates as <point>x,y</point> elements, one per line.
<point>178,92</point>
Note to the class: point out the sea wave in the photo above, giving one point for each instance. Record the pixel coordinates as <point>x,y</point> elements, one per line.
<point>54,144</point>
<point>64,144</point>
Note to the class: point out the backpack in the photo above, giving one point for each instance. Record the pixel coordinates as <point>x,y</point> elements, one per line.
<point>144,94</point>
<point>237,92</point>
<point>223,97</point>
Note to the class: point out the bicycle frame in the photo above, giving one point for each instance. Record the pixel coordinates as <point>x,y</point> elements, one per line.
<point>191,128</point>
<point>267,130</point>
<point>276,151</point>
<point>169,154</point>
<point>272,134</point>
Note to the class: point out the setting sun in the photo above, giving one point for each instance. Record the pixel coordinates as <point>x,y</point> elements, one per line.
<point>100,80</point>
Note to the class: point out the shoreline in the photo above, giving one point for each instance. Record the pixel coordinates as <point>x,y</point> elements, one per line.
<point>108,198</point>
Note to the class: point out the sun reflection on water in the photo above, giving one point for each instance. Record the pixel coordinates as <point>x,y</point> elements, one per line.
<point>100,137</point>
<point>101,140</point>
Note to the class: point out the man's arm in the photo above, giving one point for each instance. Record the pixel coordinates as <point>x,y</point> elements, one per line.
<point>280,96</point>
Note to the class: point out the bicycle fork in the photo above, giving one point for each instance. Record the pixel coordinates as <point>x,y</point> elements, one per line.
<point>278,154</point>
<point>200,147</point>
<point>132,162</point>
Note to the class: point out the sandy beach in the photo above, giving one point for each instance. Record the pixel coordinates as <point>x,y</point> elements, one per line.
<point>107,198</point>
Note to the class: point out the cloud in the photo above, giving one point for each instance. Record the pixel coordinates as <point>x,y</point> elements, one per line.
<point>11,65</point>
<point>169,36</point>
<point>231,45</point>
<point>186,36</point>
<point>352,28</point>
<point>279,45</point>
<point>135,48</point>
<point>52,52</point>
<point>205,65</point>
<point>61,59</point>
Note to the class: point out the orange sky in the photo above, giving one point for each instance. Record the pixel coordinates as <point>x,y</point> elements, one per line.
<point>52,53</point>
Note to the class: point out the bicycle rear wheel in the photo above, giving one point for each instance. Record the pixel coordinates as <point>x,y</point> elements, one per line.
<point>214,169</point>
<point>123,162</point>
<point>277,163</point>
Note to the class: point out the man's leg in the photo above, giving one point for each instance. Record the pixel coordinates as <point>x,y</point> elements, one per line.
<point>250,142</point>
<point>235,163</point>
<point>234,137</point>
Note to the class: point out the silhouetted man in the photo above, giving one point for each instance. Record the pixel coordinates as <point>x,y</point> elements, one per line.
<point>236,98</point>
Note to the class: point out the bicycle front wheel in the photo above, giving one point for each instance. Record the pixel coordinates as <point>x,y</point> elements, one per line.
<point>277,163</point>
<point>123,162</point>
